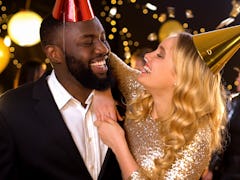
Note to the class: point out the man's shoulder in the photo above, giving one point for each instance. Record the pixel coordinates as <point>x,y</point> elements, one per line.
<point>18,92</point>
<point>21,95</point>
<point>24,91</point>
<point>15,99</point>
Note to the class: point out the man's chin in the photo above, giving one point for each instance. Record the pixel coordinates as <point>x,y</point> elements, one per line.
<point>102,76</point>
<point>99,83</point>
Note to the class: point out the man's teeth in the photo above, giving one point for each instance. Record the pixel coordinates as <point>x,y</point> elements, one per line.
<point>147,69</point>
<point>99,63</point>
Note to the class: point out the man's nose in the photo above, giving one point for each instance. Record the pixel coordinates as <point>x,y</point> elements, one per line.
<point>102,47</point>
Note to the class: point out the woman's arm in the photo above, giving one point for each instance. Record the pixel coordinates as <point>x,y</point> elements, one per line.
<point>113,136</point>
<point>104,105</point>
<point>126,77</point>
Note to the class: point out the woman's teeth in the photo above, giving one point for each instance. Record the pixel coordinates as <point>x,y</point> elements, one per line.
<point>146,68</point>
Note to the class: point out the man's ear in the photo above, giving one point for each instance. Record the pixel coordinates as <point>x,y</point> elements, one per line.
<point>54,53</point>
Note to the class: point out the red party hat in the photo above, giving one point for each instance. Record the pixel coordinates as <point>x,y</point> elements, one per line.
<point>73,10</point>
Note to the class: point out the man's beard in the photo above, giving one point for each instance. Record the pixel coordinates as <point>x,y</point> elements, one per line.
<point>85,75</point>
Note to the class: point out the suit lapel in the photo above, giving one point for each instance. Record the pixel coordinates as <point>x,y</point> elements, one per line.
<point>105,163</point>
<point>48,113</point>
<point>110,166</point>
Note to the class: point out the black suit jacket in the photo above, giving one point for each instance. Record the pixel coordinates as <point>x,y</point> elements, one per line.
<point>36,144</point>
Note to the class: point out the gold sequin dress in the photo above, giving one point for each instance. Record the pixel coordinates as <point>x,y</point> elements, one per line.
<point>145,143</point>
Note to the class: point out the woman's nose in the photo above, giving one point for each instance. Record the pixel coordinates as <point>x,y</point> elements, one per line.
<point>147,57</point>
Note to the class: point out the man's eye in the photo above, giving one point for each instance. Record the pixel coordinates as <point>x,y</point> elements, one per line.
<point>87,43</point>
<point>104,40</point>
<point>159,55</point>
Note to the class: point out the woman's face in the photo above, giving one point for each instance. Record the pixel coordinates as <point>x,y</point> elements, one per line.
<point>158,72</point>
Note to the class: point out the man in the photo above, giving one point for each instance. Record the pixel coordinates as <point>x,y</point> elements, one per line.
<point>46,127</point>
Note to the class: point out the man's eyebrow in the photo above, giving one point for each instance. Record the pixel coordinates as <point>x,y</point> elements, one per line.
<point>91,35</point>
<point>87,35</point>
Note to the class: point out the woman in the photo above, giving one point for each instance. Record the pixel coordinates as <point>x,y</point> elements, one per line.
<point>174,119</point>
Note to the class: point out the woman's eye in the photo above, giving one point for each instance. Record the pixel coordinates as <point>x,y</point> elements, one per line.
<point>159,55</point>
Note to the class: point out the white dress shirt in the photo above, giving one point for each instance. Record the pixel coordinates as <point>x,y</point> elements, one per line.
<point>79,120</point>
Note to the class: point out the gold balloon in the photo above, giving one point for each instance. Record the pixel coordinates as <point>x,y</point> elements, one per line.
<point>4,55</point>
<point>168,28</point>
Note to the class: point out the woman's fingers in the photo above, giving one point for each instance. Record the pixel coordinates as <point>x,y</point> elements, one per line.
<point>97,123</point>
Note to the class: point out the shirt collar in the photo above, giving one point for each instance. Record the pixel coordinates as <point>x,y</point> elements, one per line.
<point>60,94</point>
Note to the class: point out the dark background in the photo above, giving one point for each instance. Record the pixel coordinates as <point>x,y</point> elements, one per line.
<point>207,14</point>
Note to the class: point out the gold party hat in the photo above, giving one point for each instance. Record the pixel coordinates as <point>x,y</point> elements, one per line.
<point>217,47</point>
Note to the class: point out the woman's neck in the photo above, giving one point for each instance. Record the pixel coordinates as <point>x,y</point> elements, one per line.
<point>161,106</point>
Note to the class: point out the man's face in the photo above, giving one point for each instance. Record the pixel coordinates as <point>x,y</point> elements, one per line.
<point>86,76</point>
<point>86,54</point>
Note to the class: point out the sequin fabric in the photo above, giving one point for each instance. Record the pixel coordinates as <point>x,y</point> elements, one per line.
<point>145,143</point>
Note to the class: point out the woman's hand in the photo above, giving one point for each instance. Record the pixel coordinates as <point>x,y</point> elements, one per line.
<point>103,105</point>
<point>207,175</point>
<point>111,133</point>
<point>113,136</point>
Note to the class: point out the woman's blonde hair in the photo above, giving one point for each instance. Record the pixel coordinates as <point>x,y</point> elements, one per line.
<point>198,102</point>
